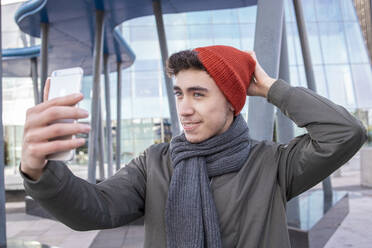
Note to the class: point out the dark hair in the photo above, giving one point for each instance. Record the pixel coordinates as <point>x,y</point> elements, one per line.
<point>183,60</point>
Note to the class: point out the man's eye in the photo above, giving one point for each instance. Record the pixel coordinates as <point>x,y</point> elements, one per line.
<point>176,93</point>
<point>198,94</point>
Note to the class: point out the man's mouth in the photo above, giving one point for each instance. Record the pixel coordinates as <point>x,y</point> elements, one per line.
<point>189,126</point>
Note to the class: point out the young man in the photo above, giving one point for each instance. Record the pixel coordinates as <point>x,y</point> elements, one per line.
<point>212,186</point>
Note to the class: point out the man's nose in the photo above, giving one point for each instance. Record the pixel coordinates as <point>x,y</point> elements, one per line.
<point>185,107</point>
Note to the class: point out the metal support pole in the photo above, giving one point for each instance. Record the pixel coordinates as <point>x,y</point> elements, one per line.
<point>97,60</point>
<point>100,144</point>
<point>34,80</point>
<point>98,159</point>
<point>327,188</point>
<point>2,184</point>
<point>285,127</point>
<point>267,44</point>
<point>327,184</point>
<point>118,119</point>
<point>301,26</point>
<point>108,115</point>
<point>164,55</point>
<point>44,57</point>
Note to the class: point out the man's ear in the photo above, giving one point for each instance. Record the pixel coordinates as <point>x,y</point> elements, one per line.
<point>231,108</point>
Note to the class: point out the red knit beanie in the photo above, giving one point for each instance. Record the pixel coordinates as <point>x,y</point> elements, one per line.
<point>231,69</point>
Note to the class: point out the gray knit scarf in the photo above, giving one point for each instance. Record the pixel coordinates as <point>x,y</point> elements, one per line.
<point>191,216</point>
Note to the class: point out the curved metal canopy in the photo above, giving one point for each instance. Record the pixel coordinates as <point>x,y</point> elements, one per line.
<point>71,33</point>
<point>72,25</point>
<point>16,61</point>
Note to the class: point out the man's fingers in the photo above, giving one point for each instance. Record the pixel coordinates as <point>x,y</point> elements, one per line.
<point>46,90</point>
<point>252,53</point>
<point>61,112</point>
<point>54,114</point>
<point>46,148</point>
<point>69,100</point>
<point>54,131</point>
<point>253,80</point>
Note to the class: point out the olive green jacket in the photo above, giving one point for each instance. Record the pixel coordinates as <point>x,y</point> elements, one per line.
<point>250,203</point>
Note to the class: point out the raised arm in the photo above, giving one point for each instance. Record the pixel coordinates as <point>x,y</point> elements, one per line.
<point>85,206</point>
<point>333,137</point>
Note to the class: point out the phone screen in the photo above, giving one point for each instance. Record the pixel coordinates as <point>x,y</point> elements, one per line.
<point>64,83</point>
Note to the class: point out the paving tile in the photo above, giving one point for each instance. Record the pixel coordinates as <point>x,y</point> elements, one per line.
<point>79,239</point>
<point>21,217</point>
<point>356,229</point>
<point>13,228</point>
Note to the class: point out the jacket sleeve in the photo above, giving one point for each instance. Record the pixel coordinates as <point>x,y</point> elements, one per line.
<point>84,206</point>
<point>333,137</point>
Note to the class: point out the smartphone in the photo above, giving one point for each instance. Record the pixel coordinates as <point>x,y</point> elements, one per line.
<point>64,82</point>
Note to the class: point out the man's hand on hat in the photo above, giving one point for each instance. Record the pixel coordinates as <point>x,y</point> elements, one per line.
<point>261,82</point>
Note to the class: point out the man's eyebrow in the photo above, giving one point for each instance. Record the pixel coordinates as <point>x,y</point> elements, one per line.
<point>190,89</point>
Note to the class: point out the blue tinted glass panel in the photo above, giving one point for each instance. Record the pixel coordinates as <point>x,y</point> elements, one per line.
<point>146,49</point>
<point>348,10</point>
<point>226,31</point>
<point>247,14</point>
<point>11,40</point>
<point>146,107</point>
<point>198,17</point>
<point>340,85</point>
<point>113,84</point>
<point>177,45</point>
<point>224,16</point>
<point>126,108</point>
<point>362,79</point>
<point>291,35</point>
<point>321,85</point>
<point>328,10</point>
<point>293,73</point>
<point>247,36</point>
<point>175,19</point>
<point>196,32</point>
<point>355,43</point>
<point>313,37</point>
<point>226,35</point>
<point>178,32</point>
<point>164,107</point>
<point>86,86</point>
<point>200,35</point>
<point>302,76</point>
<point>126,84</point>
<point>146,65</point>
<point>140,33</point>
<point>200,43</point>
<point>228,42</point>
<point>176,38</point>
<point>125,32</point>
<point>294,46</point>
<point>309,10</point>
<point>289,11</point>
<point>146,84</point>
<point>333,43</point>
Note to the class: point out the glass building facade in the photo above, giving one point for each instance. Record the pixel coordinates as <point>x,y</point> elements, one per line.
<point>339,56</point>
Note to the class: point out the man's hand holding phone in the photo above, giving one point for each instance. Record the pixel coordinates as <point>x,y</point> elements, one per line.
<point>39,138</point>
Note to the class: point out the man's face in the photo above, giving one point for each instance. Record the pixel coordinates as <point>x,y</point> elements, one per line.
<point>202,108</point>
